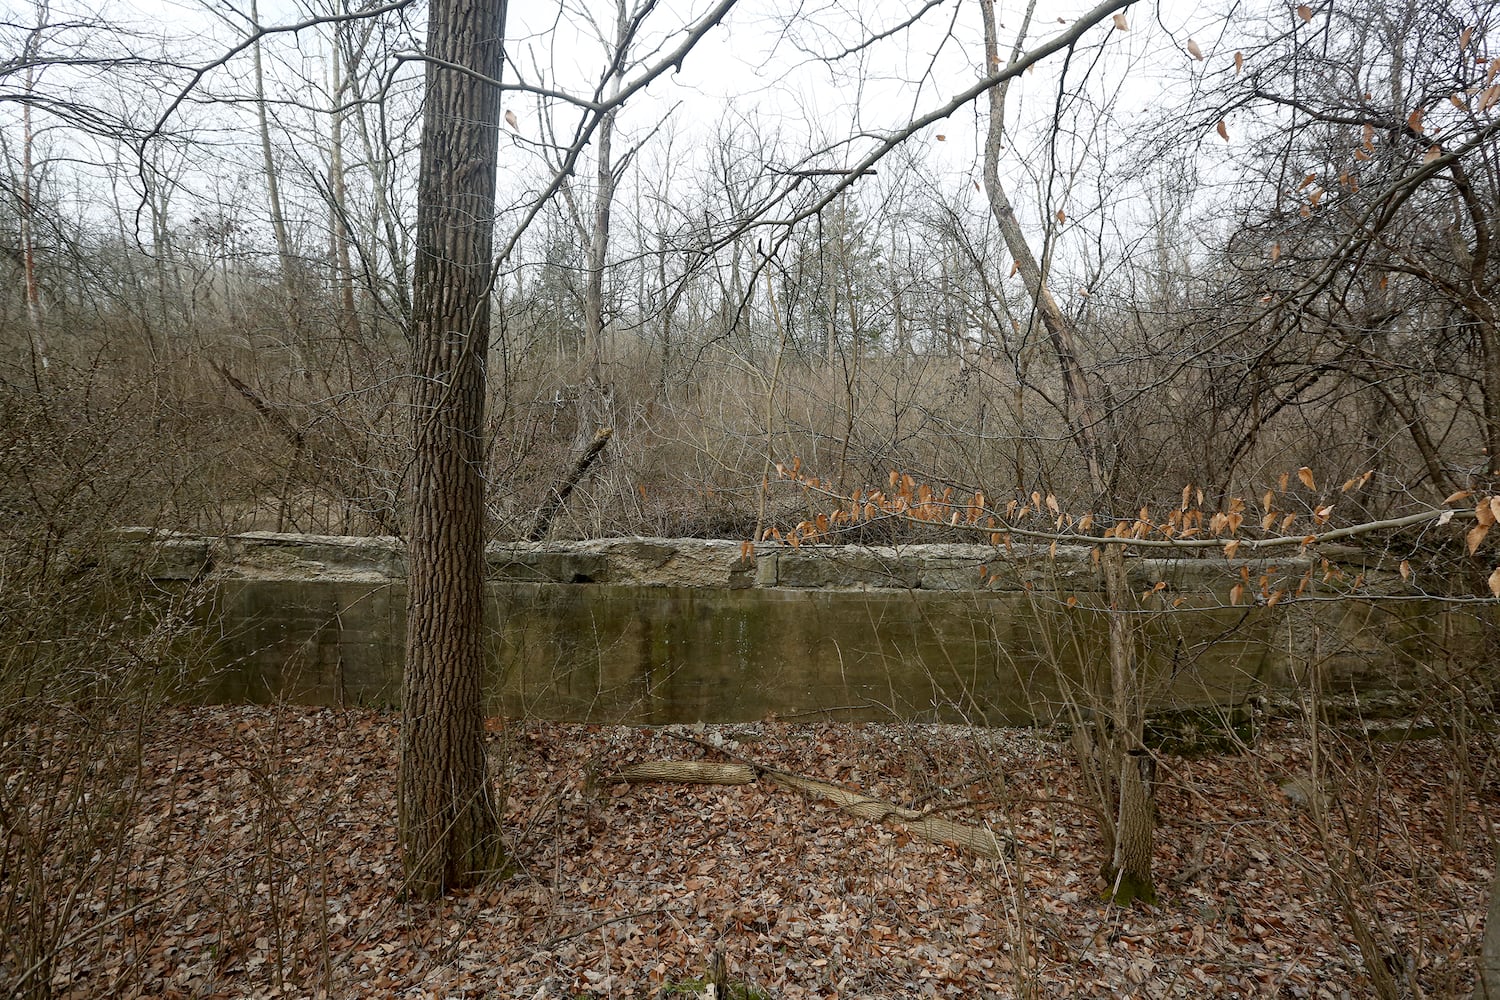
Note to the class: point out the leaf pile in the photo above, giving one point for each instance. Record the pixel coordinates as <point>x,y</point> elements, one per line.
<point>263,862</point>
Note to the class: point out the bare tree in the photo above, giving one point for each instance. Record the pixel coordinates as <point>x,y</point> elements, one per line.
<point>1126,765</point>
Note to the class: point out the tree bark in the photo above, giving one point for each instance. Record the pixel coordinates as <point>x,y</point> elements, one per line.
<point>343,269</point>
<point>284,253</point>
<point>449,826</point>
<point>40,356</point>
<point>1487,974</point>
<point>1128,870</point>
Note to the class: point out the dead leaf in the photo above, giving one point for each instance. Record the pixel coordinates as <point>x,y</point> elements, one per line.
<point>1223,130</point>
<point>1239,62</point>
<point>510,119</point>
<point>1194,50</point>
<point>1305,474</point>
<point>1120,23</point>
<point>1304,12</point>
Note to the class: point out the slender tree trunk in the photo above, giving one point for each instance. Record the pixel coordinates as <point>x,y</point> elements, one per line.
<point>40,357</point>
<point>284,255</point>
<point>449,825</point>
<point>377,157</point>
<point>1128,870</point>
<point>348,322</point>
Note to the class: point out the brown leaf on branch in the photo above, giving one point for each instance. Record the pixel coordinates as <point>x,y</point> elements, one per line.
<point>1305,474</point>
<point>1194,50</point>
<point>1121,24</point>
<point>1475,536</point>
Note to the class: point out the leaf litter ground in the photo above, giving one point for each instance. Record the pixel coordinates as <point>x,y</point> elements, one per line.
<point>263,862</point>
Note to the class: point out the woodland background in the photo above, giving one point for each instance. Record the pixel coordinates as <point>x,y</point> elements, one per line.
<point>1270,230</point>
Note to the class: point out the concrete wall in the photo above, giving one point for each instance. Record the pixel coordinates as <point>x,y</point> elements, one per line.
<point>678,630</point>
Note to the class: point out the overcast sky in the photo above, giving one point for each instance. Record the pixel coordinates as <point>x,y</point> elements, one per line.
<point>774,66</point>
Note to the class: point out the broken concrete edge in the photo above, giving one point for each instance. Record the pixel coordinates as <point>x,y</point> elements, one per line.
<point>721,564</point>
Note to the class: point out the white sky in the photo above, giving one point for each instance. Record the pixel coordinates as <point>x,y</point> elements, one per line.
<point>755,67</point>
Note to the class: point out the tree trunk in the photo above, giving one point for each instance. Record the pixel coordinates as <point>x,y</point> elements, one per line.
<point>284,253</point>
<point>1487,975</point>
<point>449,826</point>
<point>1128,870</point>
<point>343,269</point>
<point>40,360</point>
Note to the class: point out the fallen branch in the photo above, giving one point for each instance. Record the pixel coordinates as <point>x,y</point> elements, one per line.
<point>263,406</point>
<point>974,839</point>
<point>557,498</point>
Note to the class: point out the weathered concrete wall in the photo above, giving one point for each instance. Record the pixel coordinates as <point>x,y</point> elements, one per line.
<point>672,630</point>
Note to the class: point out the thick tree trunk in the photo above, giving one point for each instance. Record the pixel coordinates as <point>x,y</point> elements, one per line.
<point>1489,342</point>
<point>449,826</point>
<point>1487,975</point>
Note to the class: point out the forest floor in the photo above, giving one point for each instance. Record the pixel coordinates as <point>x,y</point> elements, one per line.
<point>264,863</point>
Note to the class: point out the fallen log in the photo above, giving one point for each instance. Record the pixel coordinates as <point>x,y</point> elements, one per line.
<point>974,839</point>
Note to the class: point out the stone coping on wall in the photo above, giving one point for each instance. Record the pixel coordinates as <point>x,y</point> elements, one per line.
<point>709,563</point>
